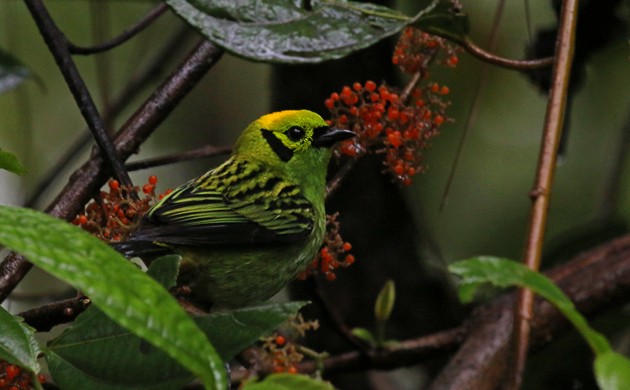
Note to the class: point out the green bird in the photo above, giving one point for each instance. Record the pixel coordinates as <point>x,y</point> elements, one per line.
<point>247,228</point>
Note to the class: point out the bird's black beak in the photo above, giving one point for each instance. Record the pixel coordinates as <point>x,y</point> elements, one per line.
<point>328,136</point>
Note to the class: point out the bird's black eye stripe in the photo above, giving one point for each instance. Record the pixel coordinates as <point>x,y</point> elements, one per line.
<point>277,146</point>
<point>295,133</point>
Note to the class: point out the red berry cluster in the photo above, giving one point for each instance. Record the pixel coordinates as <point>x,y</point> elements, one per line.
<point>416,49</point>
<point>280,351</point>
<point>13,377</point>
<point>332,255</point>
<point>399,126</point>
<point>400,129</point>
<point>114,214</point>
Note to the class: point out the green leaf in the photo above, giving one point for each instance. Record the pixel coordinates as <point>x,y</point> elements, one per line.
<point>288,382</point>
<point>385,302</point>
<point>444,21</point>
<point>9,162</point>
<point>17,342</point>
<point>288,31</point>
<point>164,270</point>
<point>114,285</point>
<point>96,353</point>
<point>612,371</point>
<point>505,273</point>
<point>12,72</point>
<point>364,335</point>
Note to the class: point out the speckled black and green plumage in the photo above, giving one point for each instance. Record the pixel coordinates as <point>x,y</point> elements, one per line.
<point>248,227</point>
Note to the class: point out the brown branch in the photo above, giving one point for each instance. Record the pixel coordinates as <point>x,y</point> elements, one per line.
<point>43,318</point>
<point>93,174</point>
<point>481,361</point>
<point>408,352</point>
<point>143,23</point>
<point>541,193</point>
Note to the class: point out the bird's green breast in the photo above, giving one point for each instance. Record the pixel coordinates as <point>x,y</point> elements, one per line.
<point>238,277</point>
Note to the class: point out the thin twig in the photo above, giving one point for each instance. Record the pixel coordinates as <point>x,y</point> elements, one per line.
<point>195,154</point>
<point>149,18</point>
<point>93,174</point>
<point>131,90</point>
<point>474,107</point>
<point>57,45</point>
<point>541,192</point>
<point>503,62</point>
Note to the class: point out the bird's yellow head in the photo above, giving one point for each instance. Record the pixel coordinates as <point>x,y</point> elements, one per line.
<point>293,137</point>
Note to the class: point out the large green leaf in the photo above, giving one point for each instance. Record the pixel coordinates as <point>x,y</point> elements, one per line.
<point>17,342</point>
<point>505,273</point>
<point>116,286</point>
<point>612,371</point>
<point>288,382</point>
<point>96,353</point>
<point>12,72</point>
<point>288,31</point>
<point>11,163</point>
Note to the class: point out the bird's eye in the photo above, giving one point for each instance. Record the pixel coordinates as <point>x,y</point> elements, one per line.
<point>295,133</point>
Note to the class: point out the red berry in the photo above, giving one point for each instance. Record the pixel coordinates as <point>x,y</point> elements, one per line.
<point>329,103</point>
<point>330,276</point>
<point>370,85</point>
<point>349,259</point>
<point>393,113</point>
<point>453,60</point>
<point>82,219</point>
<point>11,371</point>
<point>153,180</point>
<point>444,90</point>
<point>435,88</point>
<point>395,138</point>
<point>438,120</point>
<point>347,246</point>
<point>399,169</point>
<point>113,185</point>
<point>292,370</point>
<point>357,86</point>
<point>147,188</point>
<point>280,340</point>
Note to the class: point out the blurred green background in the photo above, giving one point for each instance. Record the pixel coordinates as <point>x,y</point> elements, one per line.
<point>488,205</point>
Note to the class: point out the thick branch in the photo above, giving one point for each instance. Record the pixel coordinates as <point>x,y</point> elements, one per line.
<point>481,360</point>
<point>45,317</point>
<point>92,175</point>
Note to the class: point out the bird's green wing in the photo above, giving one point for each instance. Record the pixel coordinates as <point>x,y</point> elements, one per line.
<point>237,203</point>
